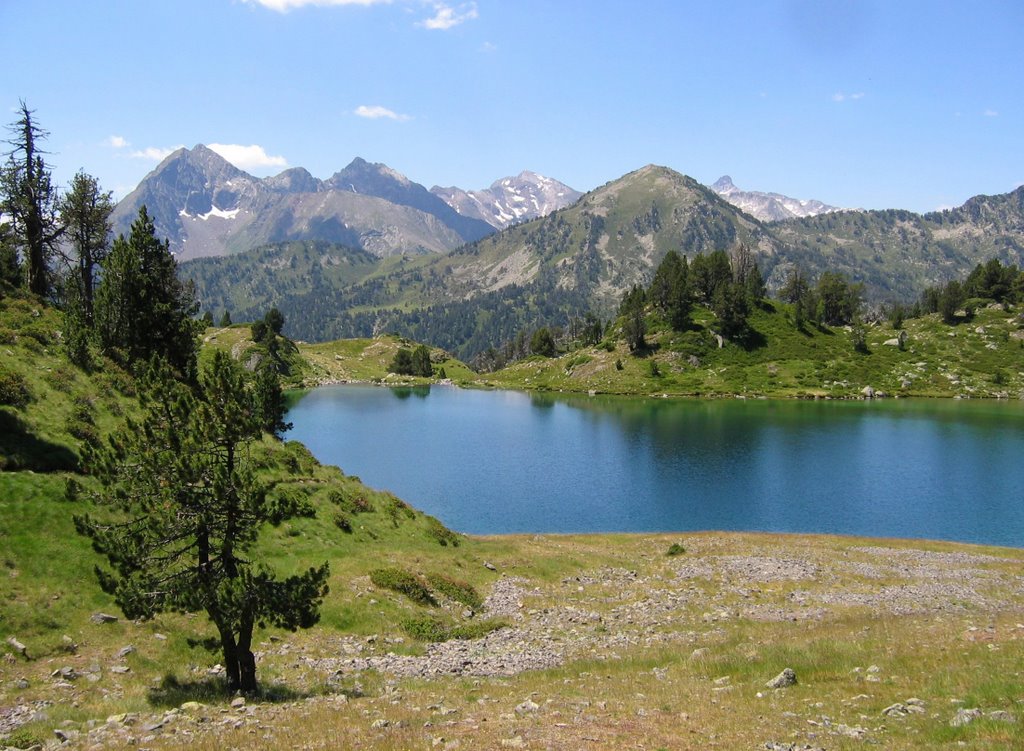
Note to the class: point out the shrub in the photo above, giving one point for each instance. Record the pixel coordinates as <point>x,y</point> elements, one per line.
<point>404,583</point>
<point>441,533</point>
<point>396,508</point>
<point>430,629</point>
<point>22,738</point>
<point>454,589</point>
<point>14,389</point>
<point>675,549</point>
<point>342,522</point>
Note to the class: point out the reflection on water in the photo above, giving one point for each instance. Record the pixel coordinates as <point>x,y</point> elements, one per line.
<point>498,462</point>
<point>404,392</point>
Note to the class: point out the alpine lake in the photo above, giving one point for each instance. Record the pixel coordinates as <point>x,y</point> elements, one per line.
<point>501,462</point>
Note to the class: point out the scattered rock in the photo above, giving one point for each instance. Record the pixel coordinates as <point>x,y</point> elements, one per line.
<point>896,710</point>
<point>238,702</point>
<point>964,717</point>
<point>868,392</point>
<point>125,651</point>
<point>1001,715</point>
<point>527,707</point>
<point>490,566</point>
<point>100,618</point>
<point>785,679</point>
<point>379,724</point>
<point>18,647</point>
<point>851,732</point>
<point>516,742</point>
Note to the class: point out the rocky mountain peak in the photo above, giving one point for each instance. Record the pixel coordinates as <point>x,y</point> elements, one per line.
<point>724,185</point>
<point>510,200</point>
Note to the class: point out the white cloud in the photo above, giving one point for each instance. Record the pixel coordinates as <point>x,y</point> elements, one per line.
<point>118,142</point>
<point>283,6</point>
<point>376,112</point>
<point>839,96</point>
<point>488,47</point>
<point>990,113</point>
<point>445,16</point>
<point>153,153</point>
<point>248,157</point>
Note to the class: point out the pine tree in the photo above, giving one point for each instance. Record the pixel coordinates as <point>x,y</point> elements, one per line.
<point>270,403</point>
<point>85,212</point>
<point>186,510</point>
<point>142,308</point>
<point>29,199</point>
<point>421,365</point>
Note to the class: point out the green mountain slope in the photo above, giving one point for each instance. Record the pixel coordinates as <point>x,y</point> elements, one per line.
<point>584,257</point>
<point>899,253</point>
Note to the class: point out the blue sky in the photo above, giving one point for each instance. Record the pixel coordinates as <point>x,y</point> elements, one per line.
<point>888,104</point>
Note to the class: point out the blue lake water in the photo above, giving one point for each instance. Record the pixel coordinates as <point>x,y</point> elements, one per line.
<point>494,462</point>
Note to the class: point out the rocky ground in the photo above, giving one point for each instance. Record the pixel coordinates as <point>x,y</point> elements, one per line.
<point>691,604</point>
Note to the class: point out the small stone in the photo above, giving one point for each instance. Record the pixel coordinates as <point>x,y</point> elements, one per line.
<point>68,644</point>
<point>785,679</point>
<point>699,654</point>
<point>18,646</point>
<point>527,707</point>
<point>67,673</point>
<point>192,706</point>
<point>1001,715</point>
<point>490,566</point>
<point>120,669</point>
<point>379,724</point>
<point>964,717</point>
<point>516,742</point>
<point>896,710</point>
<point>238,702</point>
<point>125,651</point>
<point>161,637</point>
<point>99,618</point>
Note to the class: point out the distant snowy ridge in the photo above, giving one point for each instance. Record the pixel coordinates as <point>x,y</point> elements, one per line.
<point>510,200</point>
<point>769,207</point>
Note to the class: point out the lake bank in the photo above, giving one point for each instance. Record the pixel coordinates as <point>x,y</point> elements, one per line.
<point>906,645</point>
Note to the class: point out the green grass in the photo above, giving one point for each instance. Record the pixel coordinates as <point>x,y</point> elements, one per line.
<point>980,358</point>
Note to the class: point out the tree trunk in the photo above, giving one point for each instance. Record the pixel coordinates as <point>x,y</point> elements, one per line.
<point>246,659</point>
<point>231,663</point>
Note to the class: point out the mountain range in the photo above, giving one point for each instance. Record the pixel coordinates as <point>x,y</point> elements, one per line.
<point>583,257</point>
<point>769,207</point>
<point>205,206</point>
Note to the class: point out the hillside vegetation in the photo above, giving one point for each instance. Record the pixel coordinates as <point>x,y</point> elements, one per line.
<point>977,359</point>
<point>583,258</point>
<point>428,638</point>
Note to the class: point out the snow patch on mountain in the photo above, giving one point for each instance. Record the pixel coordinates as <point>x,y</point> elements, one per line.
<point>510,200</point>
